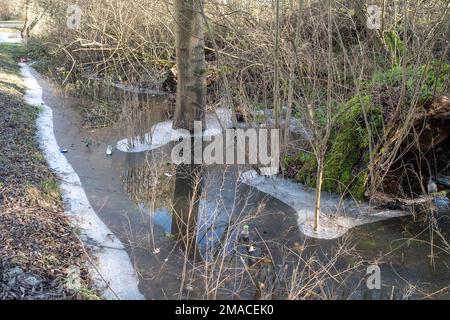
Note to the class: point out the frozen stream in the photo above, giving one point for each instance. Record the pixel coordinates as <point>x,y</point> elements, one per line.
<point>133,193</point>
<point>127,203</point>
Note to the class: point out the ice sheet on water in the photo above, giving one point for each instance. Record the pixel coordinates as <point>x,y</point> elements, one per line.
<point>162,133</point>
<point>337,216</point>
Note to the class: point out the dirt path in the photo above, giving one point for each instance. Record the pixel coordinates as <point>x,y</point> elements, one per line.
<point>41,256</point>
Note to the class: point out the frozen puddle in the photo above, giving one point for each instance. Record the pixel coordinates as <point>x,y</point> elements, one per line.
<point>113,272</point>
<point>162,133</point>
<point>337,216</point>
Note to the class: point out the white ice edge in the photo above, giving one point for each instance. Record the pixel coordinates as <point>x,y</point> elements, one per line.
<point>302,201</point>
<point>112,261</point>
<point>162,133</point>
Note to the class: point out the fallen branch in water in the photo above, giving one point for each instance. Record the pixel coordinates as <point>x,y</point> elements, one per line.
<point>420,204</point>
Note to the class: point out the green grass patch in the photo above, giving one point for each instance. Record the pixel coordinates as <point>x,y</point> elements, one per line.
<point>49,187</point>
<point>10,54</point>
<point>432,79</point>
<point>10,82</point>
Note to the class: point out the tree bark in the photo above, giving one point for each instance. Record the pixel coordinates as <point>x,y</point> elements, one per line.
<point>318,193</point>
<point>25,23</point>
<point>191,65</point>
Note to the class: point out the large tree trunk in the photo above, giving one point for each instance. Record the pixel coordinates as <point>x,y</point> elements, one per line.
<point>190,107</point>
<point>191,87</point>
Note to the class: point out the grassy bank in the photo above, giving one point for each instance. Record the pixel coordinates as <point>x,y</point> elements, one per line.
<point>40,253</point>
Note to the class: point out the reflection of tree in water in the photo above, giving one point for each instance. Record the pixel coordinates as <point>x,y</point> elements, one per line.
<point>186,199</point>
<point>151,184</point>
<point>229,266</point>
<point>140,111</point>
<point>166,186</point>
<point>222,265</point>
<point>174,194</point>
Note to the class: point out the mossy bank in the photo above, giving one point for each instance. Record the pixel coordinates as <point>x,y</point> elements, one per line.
<point>347,160</point>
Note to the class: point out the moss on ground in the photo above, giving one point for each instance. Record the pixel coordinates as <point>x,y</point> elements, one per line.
<point>347,151</point>
<point>347,159</point>
<point>433,79</point>
<point>349,147</point>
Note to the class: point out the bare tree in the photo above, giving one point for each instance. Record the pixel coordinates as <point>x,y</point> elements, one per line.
<point>34,11</point>
<point>321,130</point>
